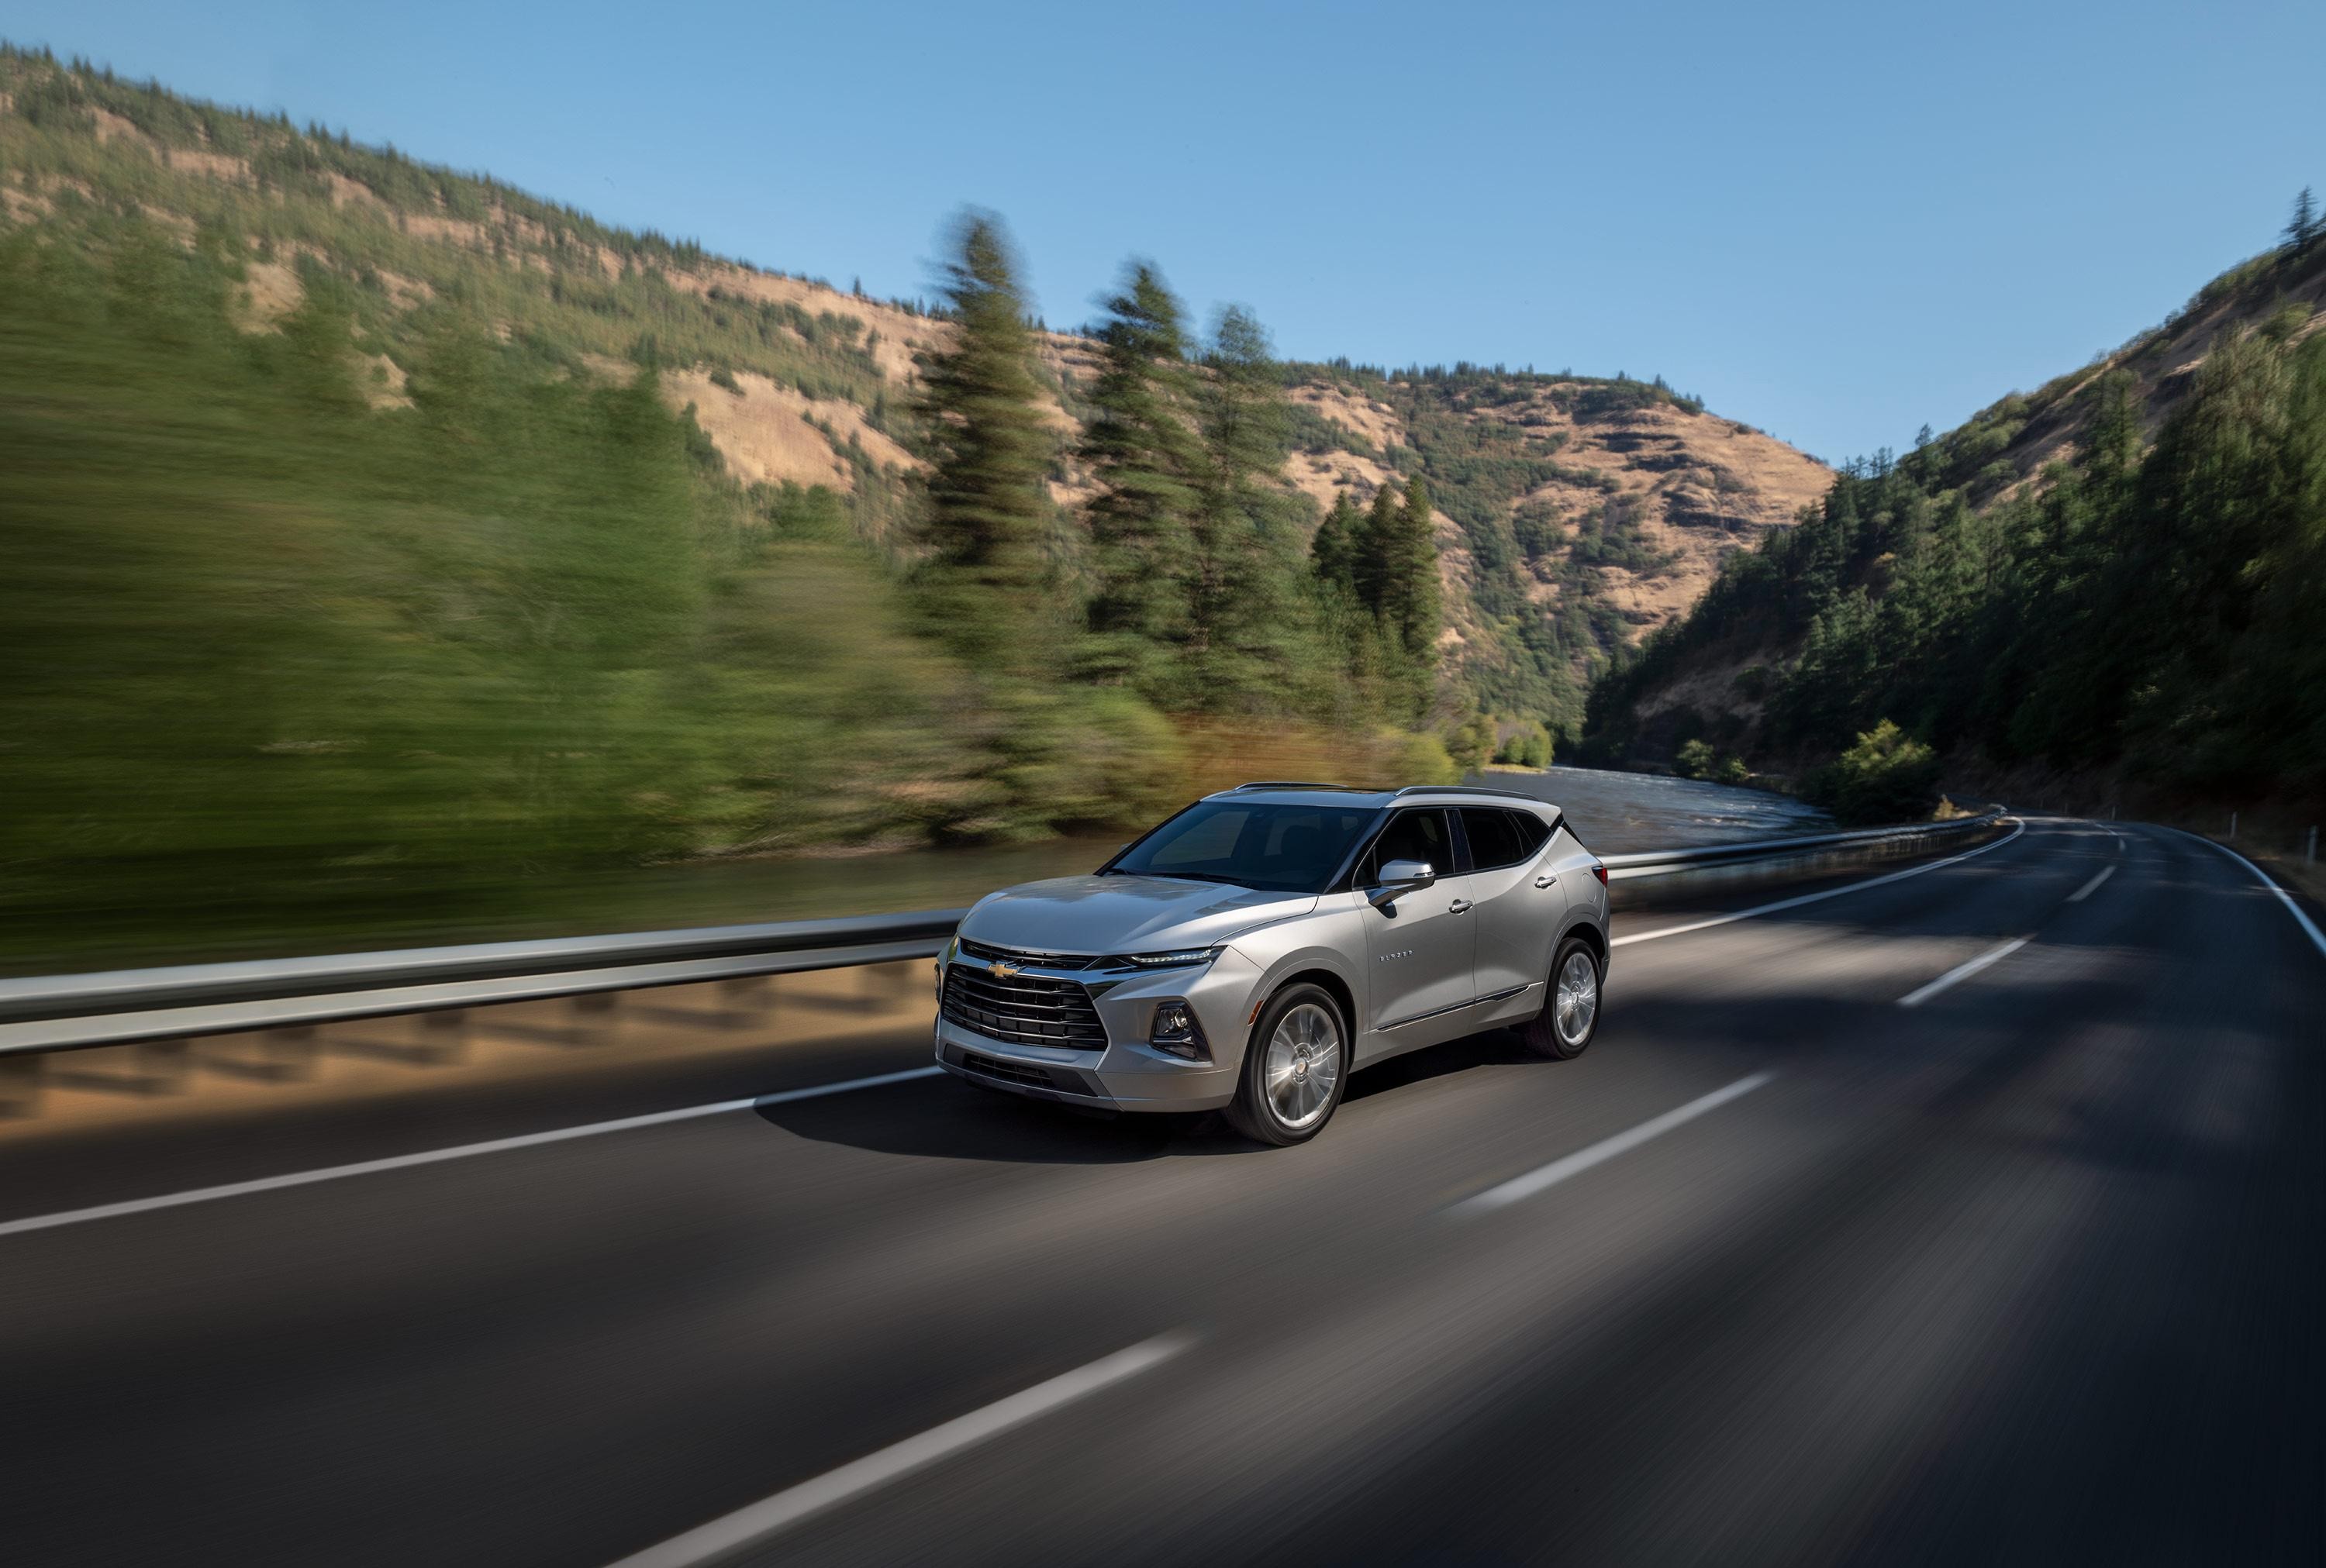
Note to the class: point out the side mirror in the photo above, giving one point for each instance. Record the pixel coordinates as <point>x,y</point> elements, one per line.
<point>1399,877</point>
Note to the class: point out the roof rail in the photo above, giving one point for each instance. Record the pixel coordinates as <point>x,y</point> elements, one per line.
<point>1471,790</point>
<point>1288,784</point>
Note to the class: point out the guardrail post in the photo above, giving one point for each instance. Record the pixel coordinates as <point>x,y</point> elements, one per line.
<point>2310,854</point>
<point>160,1066</point>
<point>20,1084</point>
<point>444,1035</point>
<point>883,988</point>
<point>291,1051</point>
<point>746,1000</point>
<point>594,1017</point>
<point>2233,827</point>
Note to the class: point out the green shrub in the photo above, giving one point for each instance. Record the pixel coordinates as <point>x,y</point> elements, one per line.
<point>1473,742</point>
<point>1694,760</point>
<point>1888,776</point>
<point>1731,771</point>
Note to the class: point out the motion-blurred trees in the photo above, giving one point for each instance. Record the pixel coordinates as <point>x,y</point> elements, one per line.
<point>1141,448</point>
<point>982,580</point>
<point>1247,617</point>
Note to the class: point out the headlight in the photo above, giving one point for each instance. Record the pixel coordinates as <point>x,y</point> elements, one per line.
<point>1177,957</point>
<point>1175,1031</point>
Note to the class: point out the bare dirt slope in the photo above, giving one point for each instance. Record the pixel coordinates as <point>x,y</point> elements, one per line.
<point>793,380</point>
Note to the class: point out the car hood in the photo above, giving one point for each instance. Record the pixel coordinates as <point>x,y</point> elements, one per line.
<point>1110,914</point>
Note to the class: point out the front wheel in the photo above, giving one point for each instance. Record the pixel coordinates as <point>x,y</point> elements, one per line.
<point>1293,1068</point>
<point>1562,1031</point>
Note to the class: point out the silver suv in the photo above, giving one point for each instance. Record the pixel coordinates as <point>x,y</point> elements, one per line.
<point>1251,950</point>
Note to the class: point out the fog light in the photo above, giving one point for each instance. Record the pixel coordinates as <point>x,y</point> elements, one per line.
<point>1176,1032</point>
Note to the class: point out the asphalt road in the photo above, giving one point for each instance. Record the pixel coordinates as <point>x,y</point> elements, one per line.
<point>1781,1271</point>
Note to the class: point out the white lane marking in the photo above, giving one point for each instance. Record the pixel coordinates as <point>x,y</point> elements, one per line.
<point>1813,897</point>
<point>834,1487</point>
<point>2302,917</point>
<point>1605,1149</point>
<point>2089,888</point>
<point>1964,971</point>
<point>435,1157</point>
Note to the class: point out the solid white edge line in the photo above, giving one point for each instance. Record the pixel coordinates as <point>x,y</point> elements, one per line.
<point>2089,888</point>
<point>2302,917</point>
<point>1605,1149</point>
<point>435,1157</point>
<point>878,1469</point>
<point>1814,897</point>
<point>1962,971</point>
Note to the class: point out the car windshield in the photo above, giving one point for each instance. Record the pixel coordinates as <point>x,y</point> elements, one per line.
<point>1279,849</point>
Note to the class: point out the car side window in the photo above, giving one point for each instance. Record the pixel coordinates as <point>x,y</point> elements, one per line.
<point>1494,838</point>
<point>1532,831</point>
<point>1409,836</point>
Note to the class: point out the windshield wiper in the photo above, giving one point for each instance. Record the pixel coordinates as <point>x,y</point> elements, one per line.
<point>1188,876</point>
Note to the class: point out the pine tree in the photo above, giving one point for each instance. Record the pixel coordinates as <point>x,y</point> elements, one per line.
<point>1331,554</point>
<point>1411,594</point>
<point>1424,612</point>
<point>982,576</point>
<point>2305,224</point>
<point>1242,608</point>
<point>1374,543</point>
<point>1410,597</point>
<point>1141,445</point>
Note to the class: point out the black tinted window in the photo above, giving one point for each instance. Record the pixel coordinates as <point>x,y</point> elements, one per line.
<point>1409,836</point>
<point>1281,849</point>
<point>1531,831</point>
<point>1494,837</point>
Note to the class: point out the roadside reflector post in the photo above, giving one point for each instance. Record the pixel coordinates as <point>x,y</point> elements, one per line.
<point>2310,854</point>
<point>2233,827</point>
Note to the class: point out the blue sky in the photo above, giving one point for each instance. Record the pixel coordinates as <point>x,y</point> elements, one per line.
<point>1834,221</point>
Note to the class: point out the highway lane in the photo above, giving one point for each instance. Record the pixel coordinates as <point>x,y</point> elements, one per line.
<point>2029,1271</point>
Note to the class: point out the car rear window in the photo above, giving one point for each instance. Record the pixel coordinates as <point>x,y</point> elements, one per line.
<point>1493,836</point>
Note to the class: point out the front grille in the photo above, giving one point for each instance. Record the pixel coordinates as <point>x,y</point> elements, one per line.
<point>1023,1010</point>
<point>1038,961</point>
<point>1013,1072</point>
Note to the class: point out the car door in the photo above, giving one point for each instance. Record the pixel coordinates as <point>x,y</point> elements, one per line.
<point>1518,902</point>
<point>1420,955</point>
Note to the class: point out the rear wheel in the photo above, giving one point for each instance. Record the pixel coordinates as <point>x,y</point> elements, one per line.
<point>1294,1067</point>
<point>1570,1014</point>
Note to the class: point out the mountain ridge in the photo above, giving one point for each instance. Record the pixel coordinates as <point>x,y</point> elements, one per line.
<point>1574,513</point>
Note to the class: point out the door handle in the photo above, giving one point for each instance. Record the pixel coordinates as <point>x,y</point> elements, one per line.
<point>1546,880</point>
<point>1459,906</point>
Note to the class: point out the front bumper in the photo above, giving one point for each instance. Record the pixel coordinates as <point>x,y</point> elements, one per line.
<point>1129,1074</point>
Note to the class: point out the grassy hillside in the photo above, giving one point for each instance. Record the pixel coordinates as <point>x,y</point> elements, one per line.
<point>387,551</point>
<point>1577,513</point>
<point>2112,585</point>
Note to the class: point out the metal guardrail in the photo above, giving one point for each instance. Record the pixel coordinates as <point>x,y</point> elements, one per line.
<point>1660,862</point>
<point>67,1012</point>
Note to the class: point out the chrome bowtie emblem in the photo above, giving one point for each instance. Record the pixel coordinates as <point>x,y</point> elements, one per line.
<point>1002,972</point>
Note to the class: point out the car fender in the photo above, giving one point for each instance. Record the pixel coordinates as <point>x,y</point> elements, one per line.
<point>1323,939</point>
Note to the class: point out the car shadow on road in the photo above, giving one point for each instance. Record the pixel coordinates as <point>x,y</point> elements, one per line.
<point>1492,1048</point>
<point>948,1119</point>
<point>945,1118</point>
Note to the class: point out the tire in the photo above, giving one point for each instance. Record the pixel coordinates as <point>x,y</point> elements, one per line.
<point>1562,1031</point>
<point>1310,1067</point>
